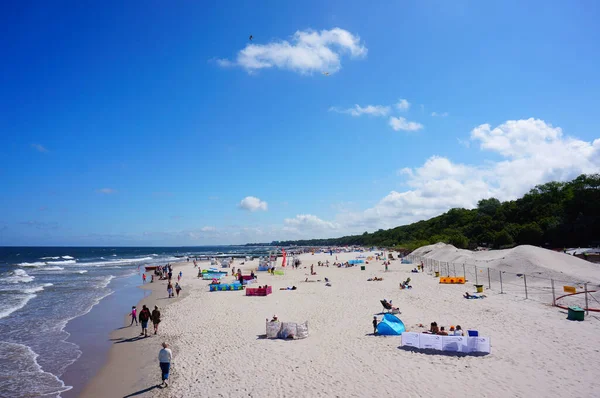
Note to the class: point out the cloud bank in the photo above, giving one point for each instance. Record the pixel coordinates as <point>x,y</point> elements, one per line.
<point>532,152</point>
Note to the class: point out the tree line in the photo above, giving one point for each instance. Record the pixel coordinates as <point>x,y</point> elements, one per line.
<point>555,214</point>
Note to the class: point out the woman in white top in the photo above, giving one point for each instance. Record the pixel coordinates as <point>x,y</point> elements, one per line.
<point>164,359</point>
<point>458,331</point>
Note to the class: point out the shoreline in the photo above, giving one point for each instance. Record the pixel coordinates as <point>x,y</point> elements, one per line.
<point>89,332</point>
<point>133,356</point>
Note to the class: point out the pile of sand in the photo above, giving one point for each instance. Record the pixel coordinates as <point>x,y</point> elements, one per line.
<point>525,259</point>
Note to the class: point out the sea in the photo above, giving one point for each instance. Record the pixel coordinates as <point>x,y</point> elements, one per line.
<point>43,289</point>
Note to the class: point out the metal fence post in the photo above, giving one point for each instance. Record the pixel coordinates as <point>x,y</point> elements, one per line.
<point>464,272</point>
<point>454,266</point>
<point>501,291</point>
<point>489,280</point>
<point>553,294</point>
<point>476,276</point>
<point>525,279</point>
<point>587,311</point>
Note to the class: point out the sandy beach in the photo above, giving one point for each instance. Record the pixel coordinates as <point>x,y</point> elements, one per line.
<point>219,349</point>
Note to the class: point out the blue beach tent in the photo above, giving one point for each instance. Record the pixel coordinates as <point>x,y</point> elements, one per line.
<point>390,325</point>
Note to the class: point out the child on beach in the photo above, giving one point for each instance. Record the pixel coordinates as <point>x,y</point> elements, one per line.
<point>177,288</point>
<point>170,289</point>
<point>143,278</point>
<point>374,325</point>
<point>133,316</point>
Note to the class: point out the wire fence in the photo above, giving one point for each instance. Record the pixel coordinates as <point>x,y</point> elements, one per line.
<point>562,293</point>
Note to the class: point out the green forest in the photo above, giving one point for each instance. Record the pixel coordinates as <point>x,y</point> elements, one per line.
<point>554,215</point>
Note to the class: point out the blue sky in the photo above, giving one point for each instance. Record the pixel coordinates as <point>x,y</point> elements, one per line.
<point>149,123</point>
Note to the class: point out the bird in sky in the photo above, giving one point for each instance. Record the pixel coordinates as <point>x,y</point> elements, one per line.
<point>326,73</point>
<point>250,38</point>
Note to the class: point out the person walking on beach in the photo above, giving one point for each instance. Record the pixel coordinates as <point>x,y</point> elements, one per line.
<point>170,289</point>
<point>144,317</point>
<point>165,356</point>
<point>143,278</point>
<point>155,318</point>
<point>134,316</point>
<point>177,288</point>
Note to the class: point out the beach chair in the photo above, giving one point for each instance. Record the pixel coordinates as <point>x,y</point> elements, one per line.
<point>388,307</point>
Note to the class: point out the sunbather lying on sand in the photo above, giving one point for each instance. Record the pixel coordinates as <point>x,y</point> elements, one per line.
<point>288,288</point>
<point>375,279</point>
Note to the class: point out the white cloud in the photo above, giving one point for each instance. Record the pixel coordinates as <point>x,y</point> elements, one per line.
<point>252,203</point>
<point>224,63</point>
<point>357,110</point>
<point>107,191</point>
<point>309,223</point>
<point>465,143</point>
<point>439,114</point>
<point>400,123</point>
<point>208,229</point>
<point>403,105</point>
<point>39,148</point>
<point>308,51</point>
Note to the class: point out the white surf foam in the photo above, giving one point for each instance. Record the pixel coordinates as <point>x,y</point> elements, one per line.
<point>35,264</point>
<point>116,262</point>
<point>83,271</point>
<point>53,268</point>
<point>65,262</point>
<point>107,281</point>
<point>37,288</point>
<point>49,258</point>
<point>68,257</point>
<point>19,276</point>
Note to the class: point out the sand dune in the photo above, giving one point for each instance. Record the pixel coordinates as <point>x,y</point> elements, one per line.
<point>524,259</point>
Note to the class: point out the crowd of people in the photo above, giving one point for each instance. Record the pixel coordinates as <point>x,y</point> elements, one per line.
<point>163,272</point>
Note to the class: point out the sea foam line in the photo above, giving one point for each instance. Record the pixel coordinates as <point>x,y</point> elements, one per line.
<point>6,312</point>
<point>32,356</point>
